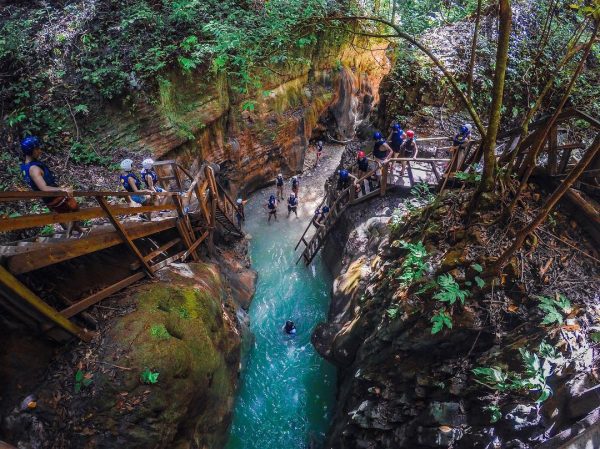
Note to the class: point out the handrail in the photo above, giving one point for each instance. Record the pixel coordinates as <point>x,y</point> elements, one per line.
<point>29,195</point>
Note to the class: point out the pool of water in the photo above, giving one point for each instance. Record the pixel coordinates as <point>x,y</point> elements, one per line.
<point>287,390</point>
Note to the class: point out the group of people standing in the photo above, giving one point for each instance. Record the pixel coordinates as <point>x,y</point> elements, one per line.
<point>292,200</point>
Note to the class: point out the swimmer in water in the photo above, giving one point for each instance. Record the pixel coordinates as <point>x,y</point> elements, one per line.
<point>289,328</point>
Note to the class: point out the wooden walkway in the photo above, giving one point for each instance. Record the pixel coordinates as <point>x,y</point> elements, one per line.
<point>553,162</point>
<point>193,213</point>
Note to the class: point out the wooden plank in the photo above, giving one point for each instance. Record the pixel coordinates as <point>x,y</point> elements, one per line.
<point>123,233</point>
<point>162,249</point>
<point>80,306</point>
<point>29,195</point>
<point>59,252</point>
<point>164,263</point>
<point>14,286</point>
<point>195,245</point>
<point>435,172</point>
<point>38,220</point>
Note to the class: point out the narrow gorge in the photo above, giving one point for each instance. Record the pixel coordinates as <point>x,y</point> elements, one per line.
<point>302,223</point>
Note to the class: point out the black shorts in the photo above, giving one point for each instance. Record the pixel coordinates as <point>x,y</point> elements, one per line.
<point>292,208</point>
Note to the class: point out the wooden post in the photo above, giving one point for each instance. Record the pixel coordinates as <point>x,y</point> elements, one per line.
<point>352,193</point>
<point>383,179</point>
<point>18,289</point>
<point>177,177</point>
<point>121,231</point>
<point>185,228</point>
<point>411,179</point>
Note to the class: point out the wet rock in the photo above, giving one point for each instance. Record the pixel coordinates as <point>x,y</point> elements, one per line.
<point>523,416</point>
<point>438,436</point>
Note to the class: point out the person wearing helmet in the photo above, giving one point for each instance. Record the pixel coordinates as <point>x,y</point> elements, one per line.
<point>295,185</point>
<point>343,179</point>
<point>321,216</point>
<point>408,149</point>
<point>363,168</point>
<point>459,144</point>
<point>289,328</point>
<point>41,179</point>
<point>240,215</point>
<point>319,150</point>
<point>381,152</point>
<point>272,208</point>
<point>279,184</point>
<point>131,183</point>
<point>396,138</point>
<point>292,204</point>
<point>150,179</point>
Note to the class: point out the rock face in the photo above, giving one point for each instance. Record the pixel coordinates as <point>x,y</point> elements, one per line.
<point>183,327</point>
<point>402,386</point>
<point>199,119</point>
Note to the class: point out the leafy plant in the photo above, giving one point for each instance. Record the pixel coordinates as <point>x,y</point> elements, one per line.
<point>493,377</point>
<point>82,380</point>
<point>160,332</point>
<point>450,291</point>
<point>595,337</point>
<point>149,377</point>
<point>480,282</point>
<point>421,191</point>
<point>467,177</point>
<point>439,320</point>
<point>414,265</point>
<point>495,413</point>
<point>392,312</point>
<point>477,267</point>
<point>552,308</point>
<point>47,230</point>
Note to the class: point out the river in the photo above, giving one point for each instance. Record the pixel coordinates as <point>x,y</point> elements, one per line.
<point>287,390</point>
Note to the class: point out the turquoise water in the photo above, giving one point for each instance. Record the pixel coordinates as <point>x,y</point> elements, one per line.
<point>287,390</point>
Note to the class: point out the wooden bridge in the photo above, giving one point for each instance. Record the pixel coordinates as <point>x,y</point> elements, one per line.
<point>553,164</point>
<point>192,214</point>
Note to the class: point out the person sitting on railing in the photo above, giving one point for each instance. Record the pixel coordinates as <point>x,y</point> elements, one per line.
<point>132,183</point>
<point>272,207</point>
<point>295,185</point>
<point>409,148</point>
<point>292,204</point>
<point>41,179</point>
<point>279,185</point>
<point>460,143</point>
<point>150,179</point>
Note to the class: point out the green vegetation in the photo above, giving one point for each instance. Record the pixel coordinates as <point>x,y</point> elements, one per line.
<point>149,377</point>
<point>449,290</point>
<point>554,308</point>
<point>82,380</point>
<point>414,265</point>
<point>439,320</point>
<point>160,332</point>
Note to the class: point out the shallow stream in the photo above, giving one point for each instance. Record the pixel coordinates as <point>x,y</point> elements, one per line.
<point>287,390</point>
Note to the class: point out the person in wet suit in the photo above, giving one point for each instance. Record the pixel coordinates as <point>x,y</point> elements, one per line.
<point>279,184</point>
<point>319,150</point>
<point>41,179</point>
<point>289,327</point>
<point>272,207</point>
<point>295,185</point>
<point>292,204</point>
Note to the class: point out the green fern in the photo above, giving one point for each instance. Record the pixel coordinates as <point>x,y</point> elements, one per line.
<point>450,291</point>
<point>439,320</point>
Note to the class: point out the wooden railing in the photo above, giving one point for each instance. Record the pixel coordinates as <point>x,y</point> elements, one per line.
<point>192,212</point>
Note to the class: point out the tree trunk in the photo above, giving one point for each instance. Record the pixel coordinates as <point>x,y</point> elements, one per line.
<point>473,51</point>
<point>529,163</point>
<point>489,143</point>
<point>548,205</point>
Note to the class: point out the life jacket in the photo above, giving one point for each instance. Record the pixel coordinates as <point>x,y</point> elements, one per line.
<point>279,181</point>
<point>293,201</point>
<point>150,173</point>
<point>409,147</point>
<point>271,204</point>
<point>397,140</point>
<point>125,181</point>
<point>377,151</point>
<point>295,183</point>
<point>363,164</point>
<point>319,146</point>
<point>48,176</point>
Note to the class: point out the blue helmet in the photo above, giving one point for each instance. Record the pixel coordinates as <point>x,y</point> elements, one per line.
<point>377,136</point>
<point>463,129</point>
<point>396,127</point>
<point>30,143</point>
<point>343,173</point>
<point>325,209</point>
<point>272,198</point>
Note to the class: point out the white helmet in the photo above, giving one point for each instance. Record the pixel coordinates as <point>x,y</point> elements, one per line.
<point>294,177</point>
<point>126,164</point>
<point>148,163</point>
<point>239,201</point>
<point>280,175</point>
